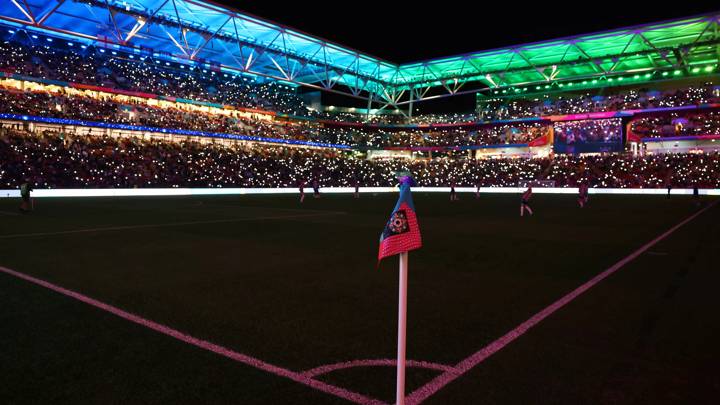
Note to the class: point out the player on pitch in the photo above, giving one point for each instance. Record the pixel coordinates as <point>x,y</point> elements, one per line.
<point>356,184</point>
<point>301,186</point>
<point>26,205</point>
<point>453,193</point>
<point>316,188</point>
<point>525,201</point>
<point>583,195</point>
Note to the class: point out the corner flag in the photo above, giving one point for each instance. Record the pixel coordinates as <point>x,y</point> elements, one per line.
<point>401,233</point>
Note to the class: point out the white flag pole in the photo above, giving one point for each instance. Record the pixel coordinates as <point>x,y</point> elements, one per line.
<point>402,321</point>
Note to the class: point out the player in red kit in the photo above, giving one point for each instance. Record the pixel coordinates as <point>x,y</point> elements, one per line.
<point>301,186</point>
<point>582,195</point>
<point>525,201</point>
<point>453,193</point>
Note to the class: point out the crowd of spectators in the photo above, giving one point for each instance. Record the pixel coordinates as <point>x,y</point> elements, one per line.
<point>145,73</point>
<point>149,73</point>
<point>486,135</point>
<point>52,160</point>
<point>589,131</point>
<point>707,123</point>
<point>456,118</point>
<point>57,160</point>
<point>107,109</point>
<point>500,109</point>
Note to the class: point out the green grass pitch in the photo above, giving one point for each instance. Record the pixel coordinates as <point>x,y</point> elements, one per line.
<point>298,286</point>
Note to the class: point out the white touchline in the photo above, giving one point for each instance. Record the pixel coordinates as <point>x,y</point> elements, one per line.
<point>123,228</point>
<point>159,192</point>
<point>202,344</point>
<point>437,383</point>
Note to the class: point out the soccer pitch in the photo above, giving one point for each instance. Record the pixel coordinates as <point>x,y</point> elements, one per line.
<point>260,299</point>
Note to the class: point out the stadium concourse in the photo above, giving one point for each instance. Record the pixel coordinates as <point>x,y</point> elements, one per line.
<point>220,285</point>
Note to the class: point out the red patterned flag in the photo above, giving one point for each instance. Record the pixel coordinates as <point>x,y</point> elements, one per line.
<point>401,233</point>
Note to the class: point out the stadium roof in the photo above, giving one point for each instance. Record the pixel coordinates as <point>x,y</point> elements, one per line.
<point>205,31</point>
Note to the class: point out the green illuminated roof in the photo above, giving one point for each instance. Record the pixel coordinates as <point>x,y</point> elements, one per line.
<point>675,44</point>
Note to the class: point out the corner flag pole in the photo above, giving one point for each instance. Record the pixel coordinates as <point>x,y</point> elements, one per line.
<point>402,321</point>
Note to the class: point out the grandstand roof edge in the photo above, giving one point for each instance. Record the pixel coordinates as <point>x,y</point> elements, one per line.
<point>317,37</point>
<point>714,14</point>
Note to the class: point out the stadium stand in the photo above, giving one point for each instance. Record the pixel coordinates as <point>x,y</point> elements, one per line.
<point>73,81</point>
<point>57,160</point>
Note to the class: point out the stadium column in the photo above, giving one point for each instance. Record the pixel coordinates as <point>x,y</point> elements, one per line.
<point>624,127</point>
<point>369,105</point>
<point>410,105</point>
